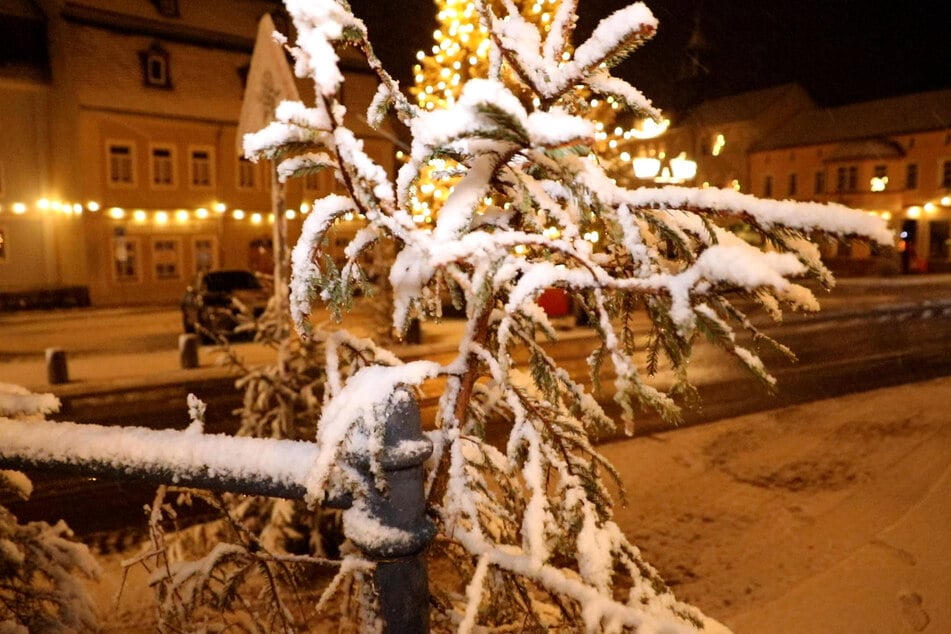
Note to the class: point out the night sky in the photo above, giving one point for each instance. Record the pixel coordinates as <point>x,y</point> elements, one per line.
<point>840,51</point>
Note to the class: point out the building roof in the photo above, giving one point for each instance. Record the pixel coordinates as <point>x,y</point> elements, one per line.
<point>919,112</point>
<point>745,106</point>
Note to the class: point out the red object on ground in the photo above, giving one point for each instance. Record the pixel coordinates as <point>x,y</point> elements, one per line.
<point>555,302</point>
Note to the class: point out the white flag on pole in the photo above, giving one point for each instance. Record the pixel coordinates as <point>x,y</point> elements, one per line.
<point>270,81</point>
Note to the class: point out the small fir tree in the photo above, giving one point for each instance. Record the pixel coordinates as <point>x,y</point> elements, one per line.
<point>528,527</point>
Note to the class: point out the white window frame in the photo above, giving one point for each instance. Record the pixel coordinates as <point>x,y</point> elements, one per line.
<point>124,241</point>
<point>246,168</point>
<point>173,166</point>
<point>111,172</point>
<point>213,240</point>
<point>158,261</point>
<point>944,173</point>
<point>193,171</point>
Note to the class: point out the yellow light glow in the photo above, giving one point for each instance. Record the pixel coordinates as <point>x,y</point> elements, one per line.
<point>116,213</point>
<point>77,208</point>
<point>305,208</point>
<point>930,208</point>
<point>946,201</point>
<point>161,217</point>
<point>718,144</point>
<point>256,218</point>
<point>683,168</point>
<point>201,213</point>
<point>220,208</point>
<point>878,184</point>
<point>290,214</point>
<point>238,214</point>
<point>914,212</point>
<point>92,206</point>
<point>181,215</point>
<point>650,129</point>
<point>645,167</point>
<point>19,208</point>
<point>43,204</point>
<point>592,236</point>
<point>887,215</point>
<point>139,216</point>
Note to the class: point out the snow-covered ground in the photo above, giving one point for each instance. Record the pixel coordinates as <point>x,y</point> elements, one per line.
<point>826,517</point>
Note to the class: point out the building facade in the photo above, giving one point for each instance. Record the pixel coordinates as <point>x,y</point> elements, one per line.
<point>891,157</point>
<point>120,172</point>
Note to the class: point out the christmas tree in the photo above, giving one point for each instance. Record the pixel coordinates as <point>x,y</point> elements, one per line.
<point>461,52</point>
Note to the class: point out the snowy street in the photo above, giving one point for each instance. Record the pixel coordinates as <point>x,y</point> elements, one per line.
<point>825,517</point>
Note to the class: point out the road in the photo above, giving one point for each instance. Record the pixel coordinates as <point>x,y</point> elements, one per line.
<point>867,336</point>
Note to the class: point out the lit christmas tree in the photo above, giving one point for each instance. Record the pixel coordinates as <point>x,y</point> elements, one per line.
<point>460,52</point>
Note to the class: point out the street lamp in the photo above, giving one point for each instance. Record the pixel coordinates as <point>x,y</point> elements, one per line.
<point>679,169</point>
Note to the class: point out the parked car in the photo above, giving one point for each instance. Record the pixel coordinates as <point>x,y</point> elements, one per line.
<point>212,305</point>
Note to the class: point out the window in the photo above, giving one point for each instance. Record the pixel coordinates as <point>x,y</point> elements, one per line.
<point>911,176</point>
<point>946,175</point>
<point>206,254</point>
<point>939,235</point>
<point>847,179</point>
<point>879,180</point>
<point>165,259</point>
<point>155,67</point>
<point>768,187</point>
<point>200,168</point>
<point>125,259</point>
<point>820,183</point>
<point>247,173</point>
<point>3,244</point>
<point>121,164</point>
<point>163,166</point>
<point>312,182</point>
<point>793,184</point>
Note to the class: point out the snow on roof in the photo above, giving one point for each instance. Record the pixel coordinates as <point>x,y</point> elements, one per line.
<point>919,112</point>
<point>745,106</point>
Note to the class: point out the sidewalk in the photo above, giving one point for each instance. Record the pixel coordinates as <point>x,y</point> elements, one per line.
<point>831,516</point>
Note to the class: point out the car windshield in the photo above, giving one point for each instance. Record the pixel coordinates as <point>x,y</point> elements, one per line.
<point>226,281</point>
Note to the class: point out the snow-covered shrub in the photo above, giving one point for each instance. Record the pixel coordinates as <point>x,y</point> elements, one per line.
<point>41,567</point>
<point>528,526</point>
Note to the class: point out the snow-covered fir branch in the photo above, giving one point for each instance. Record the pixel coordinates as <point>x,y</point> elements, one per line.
<point>526,193</point>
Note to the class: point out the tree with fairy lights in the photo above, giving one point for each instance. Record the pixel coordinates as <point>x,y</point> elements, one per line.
<point>460,52</point>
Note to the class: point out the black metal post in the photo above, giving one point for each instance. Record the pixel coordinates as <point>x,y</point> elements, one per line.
<point>401,576</point>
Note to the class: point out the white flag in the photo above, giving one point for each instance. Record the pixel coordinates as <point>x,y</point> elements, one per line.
<point>270,81</point>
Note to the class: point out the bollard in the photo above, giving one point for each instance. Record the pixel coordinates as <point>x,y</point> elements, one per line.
<point>56,370</point>
<point>188,345</point>
<point>400,576</point>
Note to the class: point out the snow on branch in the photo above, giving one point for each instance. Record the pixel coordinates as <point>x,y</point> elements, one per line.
<point>525,205</point>
<point>240,464</point>
<point>804,216</point>
<point>16,401</point>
